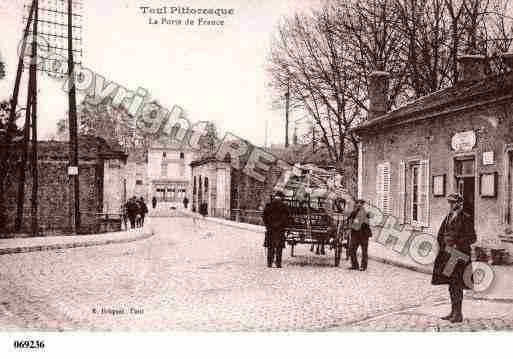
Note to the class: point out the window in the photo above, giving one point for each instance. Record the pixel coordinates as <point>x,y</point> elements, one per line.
<point>163,170</point>
<point>412,200</point>
<point>182,155</point>
<point>415,193</point>
<point>164,155</point>
<point>138,182</point>
<point>418,193</point>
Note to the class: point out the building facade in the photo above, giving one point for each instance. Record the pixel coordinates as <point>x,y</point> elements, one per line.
<point>211,184</point>
<point>459,139</point>
<point>162,171</point>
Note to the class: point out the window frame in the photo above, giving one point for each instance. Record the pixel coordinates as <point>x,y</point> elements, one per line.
<point>414,169</point>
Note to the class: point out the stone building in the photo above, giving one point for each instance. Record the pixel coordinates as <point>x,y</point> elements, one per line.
<point>459,139</point>
<point>162,171</point>
<point>211,184</point>
<point>169,174</point>
<point>101,171</point>
<point>230,192</point>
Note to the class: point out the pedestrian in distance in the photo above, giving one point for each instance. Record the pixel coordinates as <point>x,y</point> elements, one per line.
<point>360,234</point>
<point>185,202</point>
<point>132,210</point>
<point>455,237</point>
<point>204,209</point>
<point>143,210</point>
<point>276,217</point>
<point>154,202</point>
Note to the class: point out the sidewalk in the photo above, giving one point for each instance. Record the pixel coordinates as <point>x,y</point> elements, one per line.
<point>35,244</point>
<point>500,290</point>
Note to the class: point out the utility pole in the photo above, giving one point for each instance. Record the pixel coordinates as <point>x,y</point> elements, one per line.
<point>73,169</point>
<point>51,18</point>
<point>287,104</point>
<point>33,91</point>
<point>313,137</point>
<point>26,130</point>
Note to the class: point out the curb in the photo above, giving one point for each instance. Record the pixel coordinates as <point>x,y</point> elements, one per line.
<point>399,264</point>
<point>51,247</point>
<point>225,222</point>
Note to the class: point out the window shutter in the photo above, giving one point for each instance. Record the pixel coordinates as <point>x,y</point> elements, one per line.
<point>387,202</point>
<point>424,193</point>
<point>383,188</point>
<point>379,186</point>
<point>401,193</point>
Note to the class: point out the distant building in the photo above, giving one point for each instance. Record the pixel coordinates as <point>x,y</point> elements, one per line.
<point>162,171</point>
<point>459,139</point>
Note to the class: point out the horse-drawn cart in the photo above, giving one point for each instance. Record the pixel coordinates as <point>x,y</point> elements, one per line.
<point>310,223</point>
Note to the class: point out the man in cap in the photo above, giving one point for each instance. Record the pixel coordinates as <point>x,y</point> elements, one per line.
<point>360,234</point>
<point>455,237</point>
<point>276,217</point>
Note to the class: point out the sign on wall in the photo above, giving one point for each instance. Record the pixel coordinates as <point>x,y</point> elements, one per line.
<point>488,158</point>
<point>463,141</point>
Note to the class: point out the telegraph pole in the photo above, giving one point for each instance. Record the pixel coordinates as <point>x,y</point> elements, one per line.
<point>26,130</point>
<point>287,104</point>
<point>73,170</point>
<point>33,92</point>
<point>56,24</point>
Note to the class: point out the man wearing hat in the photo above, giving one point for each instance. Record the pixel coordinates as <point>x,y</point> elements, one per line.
<point>360,234</point>
<point>276,217</point>
<point>455,237</point>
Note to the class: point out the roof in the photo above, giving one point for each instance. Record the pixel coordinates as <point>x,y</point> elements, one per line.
<point>459,97</point>
<point>207,159</point>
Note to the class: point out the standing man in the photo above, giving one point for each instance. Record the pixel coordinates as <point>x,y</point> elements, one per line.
<point>185,202</point>
<point>455,237</point>
<point>360,234</point>
<point>132,208</point>
<point>143,210</point>
<point>276,216</point>
<point>154,202</point>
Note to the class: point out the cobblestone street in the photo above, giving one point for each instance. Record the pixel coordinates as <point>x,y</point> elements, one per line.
<point>208,277</point>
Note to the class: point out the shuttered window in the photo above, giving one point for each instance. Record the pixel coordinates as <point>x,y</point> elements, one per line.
<point>424,193</point>
<point>383,188</point>
<point>401,193</point>
<point>419,193</point>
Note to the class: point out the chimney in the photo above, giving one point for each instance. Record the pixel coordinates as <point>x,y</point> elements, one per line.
<point>378,94</point>
<point>472,68</point>
<point>507,59</point>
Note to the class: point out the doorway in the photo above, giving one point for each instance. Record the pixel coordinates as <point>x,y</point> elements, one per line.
<point>466,184</point>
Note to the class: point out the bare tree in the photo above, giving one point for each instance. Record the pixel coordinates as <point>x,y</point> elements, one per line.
<point>309,61</point>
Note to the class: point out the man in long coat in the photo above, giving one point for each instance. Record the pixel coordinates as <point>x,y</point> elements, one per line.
<point>360,234</point>
<point>455,237</point>
<point>132,208</point>
<point>276,217</point>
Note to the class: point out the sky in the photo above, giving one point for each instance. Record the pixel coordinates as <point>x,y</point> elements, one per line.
<point>214,73</point>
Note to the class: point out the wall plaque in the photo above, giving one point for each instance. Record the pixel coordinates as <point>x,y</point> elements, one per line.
<point>463,141</point>
<point>488,158</point>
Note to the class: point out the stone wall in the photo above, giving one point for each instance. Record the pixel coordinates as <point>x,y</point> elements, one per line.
<point>99,187</point>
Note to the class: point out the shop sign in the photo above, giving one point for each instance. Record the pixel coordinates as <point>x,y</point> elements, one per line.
<point>463,141</point>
